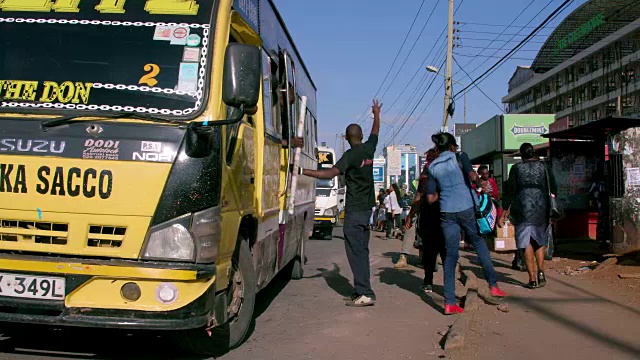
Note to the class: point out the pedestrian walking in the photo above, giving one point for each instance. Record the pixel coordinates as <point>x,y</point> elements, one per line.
<point>357,166</point>
<point>526,202</point>
<point>449,182</point>
<point>429,227</point>
<point>381,217</point>
<point>394,210</point>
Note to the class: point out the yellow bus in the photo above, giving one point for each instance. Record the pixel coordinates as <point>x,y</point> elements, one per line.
<point>145,154</point>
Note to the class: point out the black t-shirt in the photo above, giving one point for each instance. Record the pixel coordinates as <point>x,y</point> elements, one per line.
<point>357,166</point>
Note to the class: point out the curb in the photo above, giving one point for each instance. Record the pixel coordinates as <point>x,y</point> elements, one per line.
<point>454,338</point>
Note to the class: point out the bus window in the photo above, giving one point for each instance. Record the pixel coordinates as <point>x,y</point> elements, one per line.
<point>270,96</point>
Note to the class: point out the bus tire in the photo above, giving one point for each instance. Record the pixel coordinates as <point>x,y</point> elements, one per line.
<point>232,334</point>
<point>297,264</point>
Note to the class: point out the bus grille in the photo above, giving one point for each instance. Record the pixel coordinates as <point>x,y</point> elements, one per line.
<point>34,231</point>
<point>106,236</point>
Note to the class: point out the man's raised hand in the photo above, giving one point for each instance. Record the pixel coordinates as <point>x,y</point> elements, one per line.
<point>375,109</point>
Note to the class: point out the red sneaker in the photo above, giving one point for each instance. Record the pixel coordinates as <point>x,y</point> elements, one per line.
<point>496,292</point>
<point>452,309</point>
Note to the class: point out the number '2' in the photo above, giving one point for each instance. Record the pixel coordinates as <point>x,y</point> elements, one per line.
<point>150,78</point>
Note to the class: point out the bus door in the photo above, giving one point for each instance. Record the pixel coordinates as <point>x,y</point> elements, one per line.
<point>289,125</point>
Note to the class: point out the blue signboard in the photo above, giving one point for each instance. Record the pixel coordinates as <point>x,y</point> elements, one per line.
<point>248,9</point>
<point>378,174</point>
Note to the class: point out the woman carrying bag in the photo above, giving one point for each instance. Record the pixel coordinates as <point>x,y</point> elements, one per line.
<point>529,202</point>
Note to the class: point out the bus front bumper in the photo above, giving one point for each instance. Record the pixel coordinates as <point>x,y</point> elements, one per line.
<point>94,297</point>
<point>319,222</point>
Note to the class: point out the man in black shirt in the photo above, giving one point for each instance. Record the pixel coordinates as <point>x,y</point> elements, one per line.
<point>357,166</point>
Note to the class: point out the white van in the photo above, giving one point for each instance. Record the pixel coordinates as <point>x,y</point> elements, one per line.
<point>330,196</point>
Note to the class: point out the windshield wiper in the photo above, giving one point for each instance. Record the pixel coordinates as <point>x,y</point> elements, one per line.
<point>64,120</point>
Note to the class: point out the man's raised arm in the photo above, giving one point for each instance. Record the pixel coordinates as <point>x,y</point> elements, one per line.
<point>322,174</point>
<point>375,109</point>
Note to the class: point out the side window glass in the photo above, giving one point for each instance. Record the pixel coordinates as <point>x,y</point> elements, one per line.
<point>269,102</point>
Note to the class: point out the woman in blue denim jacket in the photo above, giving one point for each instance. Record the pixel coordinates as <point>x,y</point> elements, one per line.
<point>449,182</point>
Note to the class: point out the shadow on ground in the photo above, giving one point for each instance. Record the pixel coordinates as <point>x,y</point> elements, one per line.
<point>545,308</point>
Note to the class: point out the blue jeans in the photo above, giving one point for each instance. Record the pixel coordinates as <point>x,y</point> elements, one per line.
<point>452,223</point>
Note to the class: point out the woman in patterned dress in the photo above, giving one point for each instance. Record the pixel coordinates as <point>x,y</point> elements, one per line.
<point>526,202</point>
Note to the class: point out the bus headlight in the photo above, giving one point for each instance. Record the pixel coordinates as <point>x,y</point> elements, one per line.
<point>330,212</point>
<point>170,241</point>
<point>192,237</point>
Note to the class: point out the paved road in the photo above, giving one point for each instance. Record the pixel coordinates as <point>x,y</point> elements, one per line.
<point>303,319</point>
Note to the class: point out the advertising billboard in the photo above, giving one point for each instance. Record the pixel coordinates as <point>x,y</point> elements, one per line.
<point>519,129</point>
<point>461,129</point>
<point>394,162</point>
<point>378,174</point>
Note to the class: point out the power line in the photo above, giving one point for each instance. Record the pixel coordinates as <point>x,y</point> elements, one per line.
<point>486,48</point>
<point>504,41</point>
<point>501,34</point>
<point>522,43</point>
<point>412,47</point>
<point>491,57</point>
<point>503,30</point>
<point>396,57</point>
<point>366,109</point>
<point>512,38</point>
<point>494,25</point>
<point>421,68</point>
<point>477,87</point>
<point>422,113</point>
<point>395,133</point>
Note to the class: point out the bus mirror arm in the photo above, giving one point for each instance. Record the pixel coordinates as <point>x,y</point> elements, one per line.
<point>199,141</point>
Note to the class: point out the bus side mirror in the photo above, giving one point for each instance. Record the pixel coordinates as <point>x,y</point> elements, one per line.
<point>241,78</point>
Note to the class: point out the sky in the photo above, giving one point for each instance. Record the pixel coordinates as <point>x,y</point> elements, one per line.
<point>349,47</point>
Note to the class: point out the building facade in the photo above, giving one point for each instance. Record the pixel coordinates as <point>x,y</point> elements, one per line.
<point>402,166</point>
<point>585,74</point>
<point>586,70</point>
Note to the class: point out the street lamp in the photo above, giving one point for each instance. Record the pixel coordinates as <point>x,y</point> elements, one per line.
<point>434,70</point>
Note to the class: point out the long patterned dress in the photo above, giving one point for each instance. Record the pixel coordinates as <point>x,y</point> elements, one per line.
<point>527,195</point>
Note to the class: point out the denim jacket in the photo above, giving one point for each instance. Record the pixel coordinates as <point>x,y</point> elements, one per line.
<point>454,192</point>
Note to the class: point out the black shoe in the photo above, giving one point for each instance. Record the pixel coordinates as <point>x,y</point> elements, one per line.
<point>531,285</point>
<point>542,279</point>
<point>351,297</point>
<point>426,288</point>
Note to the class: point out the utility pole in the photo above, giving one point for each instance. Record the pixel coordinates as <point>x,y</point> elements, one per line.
<point>342,137</point>
<point>448,86</point>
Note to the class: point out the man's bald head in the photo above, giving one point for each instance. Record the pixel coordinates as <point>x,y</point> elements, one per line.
<point>354,134</point>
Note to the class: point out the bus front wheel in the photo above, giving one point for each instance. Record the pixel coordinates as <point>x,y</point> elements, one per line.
<point>242,297</point>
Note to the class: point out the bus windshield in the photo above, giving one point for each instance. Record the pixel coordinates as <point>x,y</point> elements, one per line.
<point>96,55</point>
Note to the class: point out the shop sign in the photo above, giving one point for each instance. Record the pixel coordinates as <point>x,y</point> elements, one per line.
<point>461,129</point>
<point>584,30</point>
<point>519,129</point>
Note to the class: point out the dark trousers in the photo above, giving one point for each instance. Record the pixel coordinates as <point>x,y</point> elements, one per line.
<point>432,245</point>
<point>393,221</point>
<point>356,235</point>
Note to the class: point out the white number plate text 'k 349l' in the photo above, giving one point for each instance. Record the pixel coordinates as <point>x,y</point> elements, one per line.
<point>32,287</point>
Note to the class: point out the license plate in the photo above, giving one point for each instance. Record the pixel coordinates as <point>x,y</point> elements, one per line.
<point>32,287</point>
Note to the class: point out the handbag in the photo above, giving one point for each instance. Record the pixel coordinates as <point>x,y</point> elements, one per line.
<point>554,209</point>
<point>485,211</point>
